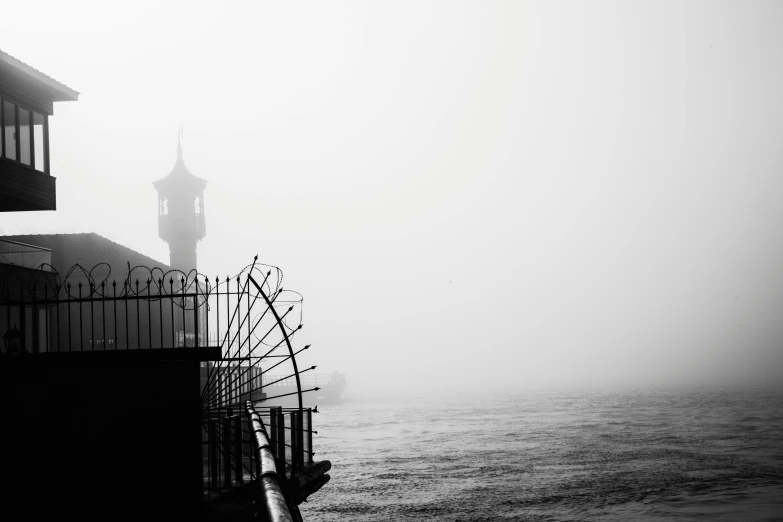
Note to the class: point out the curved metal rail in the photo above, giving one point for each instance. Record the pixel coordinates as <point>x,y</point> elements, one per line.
<point>255,321</point>
<point>272,500</point>
<point>280,324</point>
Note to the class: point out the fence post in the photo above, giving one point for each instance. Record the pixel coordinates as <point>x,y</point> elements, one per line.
<point>34,325</point>
<point>300,439</point>
<point>22,321</point>
<point>296,447</point>
<point>238,472</point>
<point>280,441</point>
<point>213,457</point>
<point>309,414</point>
<point>195,314</point>
<point>227,449</point>
<point>273,429</point>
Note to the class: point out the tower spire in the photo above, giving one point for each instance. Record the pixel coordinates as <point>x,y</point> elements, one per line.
<point>179,143</point>
<point>181,220</point>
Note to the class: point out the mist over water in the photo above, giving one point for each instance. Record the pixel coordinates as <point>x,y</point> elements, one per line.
<point>511,194</point>
<point>655,456</point>
<point>542,240</point>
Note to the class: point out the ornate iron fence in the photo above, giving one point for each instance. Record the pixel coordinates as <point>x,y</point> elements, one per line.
<point>250,317</point>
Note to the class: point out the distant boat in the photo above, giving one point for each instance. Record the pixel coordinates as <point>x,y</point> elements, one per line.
<point>281,391</point>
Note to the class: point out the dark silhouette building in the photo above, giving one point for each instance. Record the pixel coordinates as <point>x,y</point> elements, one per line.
<point>90,265</point>
<point>181,221</point>
<point>27,99</point>
<point>121,396</point>
<point>118,430</point>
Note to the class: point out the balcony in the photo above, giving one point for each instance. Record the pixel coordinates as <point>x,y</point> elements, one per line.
<point>23,188</point>
<point>171,227</point>
<point>26,102</point>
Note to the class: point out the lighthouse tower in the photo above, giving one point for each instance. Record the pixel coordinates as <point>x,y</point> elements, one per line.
<point>181,221</point>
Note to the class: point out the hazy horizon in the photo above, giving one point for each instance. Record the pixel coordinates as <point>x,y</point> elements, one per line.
<point>507,195</point>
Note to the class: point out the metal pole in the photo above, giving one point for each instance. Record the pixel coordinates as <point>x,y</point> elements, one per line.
<point>295,447</point>
<point>309,414</point>
<point>299,440</point>
<point>81,321</point>
<point>227,449</point>
<point>34,346</point>
<point>273,428</point>
<point>213,457</point>
<point>46,316</point>
<point>195,314</point>
<point>273,504</point>
<point>93,341</point>
<point>238,473</point>
<point>280,441</point>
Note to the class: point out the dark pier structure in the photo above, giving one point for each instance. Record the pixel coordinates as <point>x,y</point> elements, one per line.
<point>135,390</point>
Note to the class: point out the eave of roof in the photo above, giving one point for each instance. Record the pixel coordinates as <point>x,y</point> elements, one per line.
<point>88,249</point>
<point>180,177</point>
<point>59,91</point>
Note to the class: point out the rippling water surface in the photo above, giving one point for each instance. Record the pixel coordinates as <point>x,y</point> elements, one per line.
<point>645,456</point>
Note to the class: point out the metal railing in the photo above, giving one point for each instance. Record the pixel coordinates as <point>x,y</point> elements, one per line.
<point>157,311</point>
<point>228,460</point>
<point>148,309</point>
<point>309,379</point>
<point>127,316</point>
<point>273,502</point>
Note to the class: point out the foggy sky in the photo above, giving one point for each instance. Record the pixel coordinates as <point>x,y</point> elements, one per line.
<point>467,194</point>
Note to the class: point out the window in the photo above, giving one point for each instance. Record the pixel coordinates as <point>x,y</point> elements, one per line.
<point>38,141</point>
<point>24,136</point>
<point>9,129</point>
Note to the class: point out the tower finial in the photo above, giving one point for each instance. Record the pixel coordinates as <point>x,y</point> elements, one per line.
<point>179,142</point>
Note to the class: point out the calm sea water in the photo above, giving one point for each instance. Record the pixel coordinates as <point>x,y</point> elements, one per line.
<point>647,456</point>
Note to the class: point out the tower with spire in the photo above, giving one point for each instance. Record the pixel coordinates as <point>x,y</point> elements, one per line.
<point>181,221</point>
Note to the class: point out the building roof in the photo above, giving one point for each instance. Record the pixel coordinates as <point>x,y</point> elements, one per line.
<point>88,250</point>
<point>180,180</point>
<point>56,90</point>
